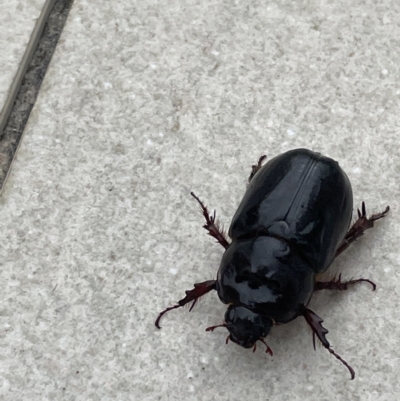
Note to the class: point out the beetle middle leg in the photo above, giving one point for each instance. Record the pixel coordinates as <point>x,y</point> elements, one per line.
<point>357,229</point>
<point>338,284</point>
<point>211,224</point>
<point>198,291</point>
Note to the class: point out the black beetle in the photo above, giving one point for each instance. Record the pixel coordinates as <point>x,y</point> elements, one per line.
<point>293,221</point>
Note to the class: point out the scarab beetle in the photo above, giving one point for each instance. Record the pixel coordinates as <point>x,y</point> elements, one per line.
<point>293,221</point>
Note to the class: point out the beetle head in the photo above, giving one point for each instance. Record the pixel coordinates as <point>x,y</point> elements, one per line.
<point>246,327</point>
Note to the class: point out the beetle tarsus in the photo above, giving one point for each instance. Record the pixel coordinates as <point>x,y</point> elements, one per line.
<point>199,290</point>
<point>351,370</point>
<point>256,167</point>
<point>338,284</point>
<point>315,322</point>
<point>212,225</point>
<point>362,224</point>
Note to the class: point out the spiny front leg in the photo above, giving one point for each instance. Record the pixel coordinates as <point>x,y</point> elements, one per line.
<point>211,224</point>
<point>362,224</point>
<point>199,290</point>
<point>315,322</point>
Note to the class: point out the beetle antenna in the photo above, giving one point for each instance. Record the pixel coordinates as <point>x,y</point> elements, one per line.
<point>268,350</point>
<point>211,328</point>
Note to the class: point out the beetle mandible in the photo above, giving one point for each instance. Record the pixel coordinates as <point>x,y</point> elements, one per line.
<point>293,221</point>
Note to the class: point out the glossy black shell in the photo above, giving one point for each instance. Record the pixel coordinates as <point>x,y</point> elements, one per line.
<point>294,215</point>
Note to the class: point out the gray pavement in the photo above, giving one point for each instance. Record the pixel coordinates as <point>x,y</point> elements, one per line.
<point>144,102</point>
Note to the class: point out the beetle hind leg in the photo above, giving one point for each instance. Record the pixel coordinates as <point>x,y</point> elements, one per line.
<point>315,322</point>
<point>256,167</point>
<point>199,290</point>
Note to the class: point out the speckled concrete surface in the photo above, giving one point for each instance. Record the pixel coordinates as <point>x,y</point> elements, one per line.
<point>141,105</point>
<point>17,21</point>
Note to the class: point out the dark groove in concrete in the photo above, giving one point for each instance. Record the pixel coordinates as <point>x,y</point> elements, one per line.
<point>25,92</point>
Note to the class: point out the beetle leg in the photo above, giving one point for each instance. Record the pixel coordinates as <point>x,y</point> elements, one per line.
<point>212,225</point>
<point>199,290</point>
<point>256,167</point>
<point>338,284</point>
<point>315,322</point>
<point>357,229</point>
